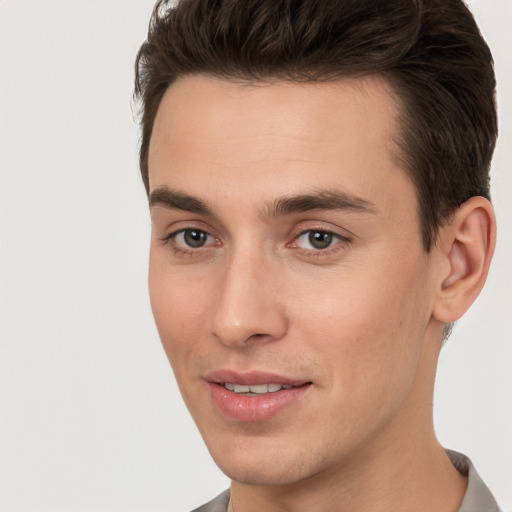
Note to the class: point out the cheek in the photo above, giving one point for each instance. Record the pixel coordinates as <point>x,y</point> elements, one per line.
<point>368,329</point>
<point>178,304</point>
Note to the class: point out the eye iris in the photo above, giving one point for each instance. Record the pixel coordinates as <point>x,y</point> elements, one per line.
<point>194,237</point>
<point>320,239</point>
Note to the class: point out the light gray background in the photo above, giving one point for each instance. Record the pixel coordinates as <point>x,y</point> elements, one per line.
<point>91,419</point>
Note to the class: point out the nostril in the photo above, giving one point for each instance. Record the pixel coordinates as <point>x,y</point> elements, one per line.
<point>257,336</point>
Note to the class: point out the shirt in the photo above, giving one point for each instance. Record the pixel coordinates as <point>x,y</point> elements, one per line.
<point>478,498</point>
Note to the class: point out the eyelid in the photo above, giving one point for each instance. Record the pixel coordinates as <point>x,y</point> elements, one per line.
<point>171,227</point>
<point>341,241</point>
<point>183,247</point>
<point>307,227</point>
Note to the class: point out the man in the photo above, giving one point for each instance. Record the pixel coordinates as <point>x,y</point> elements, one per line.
<point>317,174</point>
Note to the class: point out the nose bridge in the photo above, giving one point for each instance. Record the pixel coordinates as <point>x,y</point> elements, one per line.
<point>248,305</point>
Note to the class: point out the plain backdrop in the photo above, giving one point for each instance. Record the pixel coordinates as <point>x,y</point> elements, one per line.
<point>91,419</point>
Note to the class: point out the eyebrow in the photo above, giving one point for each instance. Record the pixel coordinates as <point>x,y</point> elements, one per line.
<point>319,200</point>
<point>174,200</point>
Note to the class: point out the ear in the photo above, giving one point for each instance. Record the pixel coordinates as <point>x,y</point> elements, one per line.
<point>465,247</point>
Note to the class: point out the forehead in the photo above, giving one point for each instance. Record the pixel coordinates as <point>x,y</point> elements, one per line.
<point>281,135</point>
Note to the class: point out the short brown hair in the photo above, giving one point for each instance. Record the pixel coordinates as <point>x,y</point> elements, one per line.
<point>431,51</point>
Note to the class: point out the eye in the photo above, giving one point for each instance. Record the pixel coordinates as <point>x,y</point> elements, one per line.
<point>192,238</point>
<point>318,239</point>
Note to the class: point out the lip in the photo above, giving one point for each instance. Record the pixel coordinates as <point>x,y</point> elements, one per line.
<point>252,378</point>
<point>257,408</point>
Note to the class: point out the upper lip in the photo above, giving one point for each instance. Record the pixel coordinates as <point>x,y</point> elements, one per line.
<point>252,378</point>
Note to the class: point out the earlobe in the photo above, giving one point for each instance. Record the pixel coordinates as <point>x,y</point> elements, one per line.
<point>466,247</point>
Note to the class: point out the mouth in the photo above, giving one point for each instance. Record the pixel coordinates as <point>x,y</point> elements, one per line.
<point>255,397</point>
<point>256,389</point>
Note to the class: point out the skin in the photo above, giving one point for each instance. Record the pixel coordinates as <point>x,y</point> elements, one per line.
<point>362,319</point>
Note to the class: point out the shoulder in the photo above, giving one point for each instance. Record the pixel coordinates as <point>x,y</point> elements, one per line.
<point>218,504</point>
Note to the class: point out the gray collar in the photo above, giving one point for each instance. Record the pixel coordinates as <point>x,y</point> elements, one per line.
<point>478,498</point>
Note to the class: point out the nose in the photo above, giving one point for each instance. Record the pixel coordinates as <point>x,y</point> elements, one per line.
<point>249,306</point>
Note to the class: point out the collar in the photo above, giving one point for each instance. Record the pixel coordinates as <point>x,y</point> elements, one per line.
<point>478,498</point>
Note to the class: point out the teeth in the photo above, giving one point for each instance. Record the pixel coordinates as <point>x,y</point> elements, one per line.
<point>258,389</point>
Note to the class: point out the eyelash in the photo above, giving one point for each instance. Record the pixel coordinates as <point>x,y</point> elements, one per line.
<point>341,242</point>
<point>190,251</point>
<point>181,251</point>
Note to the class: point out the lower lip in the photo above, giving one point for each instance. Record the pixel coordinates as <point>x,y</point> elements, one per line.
<point>254,408</point>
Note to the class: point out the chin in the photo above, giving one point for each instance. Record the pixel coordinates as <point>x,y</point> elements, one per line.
<point>257,474</point>
<point>266,465</point>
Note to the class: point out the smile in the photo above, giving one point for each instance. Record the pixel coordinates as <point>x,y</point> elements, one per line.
<point>256,401</point>
<point>258,389</point>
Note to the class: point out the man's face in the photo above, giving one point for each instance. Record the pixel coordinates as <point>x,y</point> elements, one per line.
<point>286,250</point>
